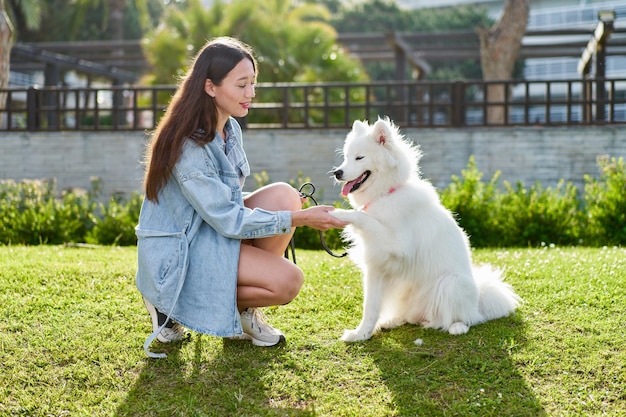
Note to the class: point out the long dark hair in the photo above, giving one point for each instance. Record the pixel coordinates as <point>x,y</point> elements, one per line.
<point>191,109</point>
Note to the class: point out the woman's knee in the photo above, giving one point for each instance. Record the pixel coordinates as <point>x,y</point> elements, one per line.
<point>275,196</point>
<point>291,285</point>
<point>287,195</point>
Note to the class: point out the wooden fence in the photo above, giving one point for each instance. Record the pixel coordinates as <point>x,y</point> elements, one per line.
<point>419,104</point>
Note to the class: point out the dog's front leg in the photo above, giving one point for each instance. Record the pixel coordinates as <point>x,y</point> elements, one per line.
<point>361,221</point>
<point>372,299</point>
<point>356,217</point>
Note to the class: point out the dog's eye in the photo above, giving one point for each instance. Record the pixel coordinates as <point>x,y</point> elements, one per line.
<point>358,158</point>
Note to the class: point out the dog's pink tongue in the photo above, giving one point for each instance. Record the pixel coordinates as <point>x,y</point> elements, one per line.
<point>345,190</point>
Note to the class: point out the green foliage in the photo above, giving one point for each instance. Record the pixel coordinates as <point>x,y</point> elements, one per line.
<point>378,16</point>
<point>606,203</point>
<point>75,214</point>
<point>183,29</point>
<point>492,214</point>
<point>537,215</point>
<point>33,213</point>
<point>116,222</point>
<point>81,20</point>
<point>373,16</point>
<point>451,18</point>
<point>24,15</point>
<point>292,41</point>
<point>508,216</point>
<point>261,178</point>
<point>475,205</point>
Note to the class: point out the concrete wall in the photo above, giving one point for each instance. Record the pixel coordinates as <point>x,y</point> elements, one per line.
<point>521,154</point>
<point>73,158</point>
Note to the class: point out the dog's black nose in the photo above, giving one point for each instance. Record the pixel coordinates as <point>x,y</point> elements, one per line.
<point>338,174</point>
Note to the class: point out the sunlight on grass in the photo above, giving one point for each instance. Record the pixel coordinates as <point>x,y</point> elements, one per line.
<point>72,326</point>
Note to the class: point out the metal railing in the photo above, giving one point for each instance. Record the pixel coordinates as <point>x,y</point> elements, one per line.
<point>417,104</point>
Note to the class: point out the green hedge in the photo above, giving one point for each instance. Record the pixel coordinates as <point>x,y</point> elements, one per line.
<point>32,212</point>
<point>494,214</point>
<point>506,215</point>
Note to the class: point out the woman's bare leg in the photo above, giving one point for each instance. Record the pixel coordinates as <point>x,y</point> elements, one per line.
<point>266,277</point>
<point>274,197</point>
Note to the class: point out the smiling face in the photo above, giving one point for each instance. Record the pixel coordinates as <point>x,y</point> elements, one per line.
<point>234,94</point>
<point>376,159</point>
<point>360,160</point>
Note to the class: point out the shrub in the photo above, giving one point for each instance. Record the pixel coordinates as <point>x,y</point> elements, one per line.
<point>495,216</point>
<point>536,216</point>
<point>605,200</point>
<point>76,208</point>
<point>475,205</point>
<point>31,214</point>
<point>492,215</point>
<point>115,224</point>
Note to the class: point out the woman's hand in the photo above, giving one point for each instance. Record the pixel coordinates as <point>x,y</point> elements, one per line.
<point>317,217</point>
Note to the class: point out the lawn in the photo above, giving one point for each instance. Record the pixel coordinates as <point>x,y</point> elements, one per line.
<point>72,327</point>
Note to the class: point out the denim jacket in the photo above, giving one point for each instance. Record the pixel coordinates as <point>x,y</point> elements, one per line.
<point>189,242</point>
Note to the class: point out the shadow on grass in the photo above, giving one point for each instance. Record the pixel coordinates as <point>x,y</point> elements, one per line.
<point>207,376</point>
<point>468,375</point>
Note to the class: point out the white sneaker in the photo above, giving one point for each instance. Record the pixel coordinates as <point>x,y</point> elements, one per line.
<point>172,332</point>
<point>257,330</point>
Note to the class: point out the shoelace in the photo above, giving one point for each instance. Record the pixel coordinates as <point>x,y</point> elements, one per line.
<point>259,319</point>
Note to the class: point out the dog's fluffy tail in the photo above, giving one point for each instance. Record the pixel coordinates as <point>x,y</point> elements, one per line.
<point>497,298</point>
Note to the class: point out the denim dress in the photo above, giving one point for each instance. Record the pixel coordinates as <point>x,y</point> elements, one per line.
<point>189,242</point>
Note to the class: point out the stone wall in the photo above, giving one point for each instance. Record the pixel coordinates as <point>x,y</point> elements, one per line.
<point>521,154</point>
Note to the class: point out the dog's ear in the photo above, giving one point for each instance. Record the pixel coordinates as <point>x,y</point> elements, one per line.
<point>382,132</point>
<point>359,127</point>
<point>383,135</point>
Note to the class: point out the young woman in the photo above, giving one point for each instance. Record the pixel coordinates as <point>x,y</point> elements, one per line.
<point>208,256</point>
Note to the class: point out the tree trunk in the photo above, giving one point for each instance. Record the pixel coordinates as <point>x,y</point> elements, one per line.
<point>116,19</point>
<point>499,49</point>
<point>6,41</point>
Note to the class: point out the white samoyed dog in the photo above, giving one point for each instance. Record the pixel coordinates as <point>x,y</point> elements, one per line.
<point>415,259</point>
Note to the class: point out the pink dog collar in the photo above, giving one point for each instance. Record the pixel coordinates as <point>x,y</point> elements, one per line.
<point>391,190</point>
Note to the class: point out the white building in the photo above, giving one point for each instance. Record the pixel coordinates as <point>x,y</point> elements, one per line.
<point>555,15</point>
<point>550,15</point>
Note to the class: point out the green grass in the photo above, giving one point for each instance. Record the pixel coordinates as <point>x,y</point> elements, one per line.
<point>72,327</point>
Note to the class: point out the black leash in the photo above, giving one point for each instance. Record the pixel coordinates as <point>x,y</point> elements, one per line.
<point>304,194</point>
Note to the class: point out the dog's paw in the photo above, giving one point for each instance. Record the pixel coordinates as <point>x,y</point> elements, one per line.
<point>354,336</point>
<point>345,215</point>
<point>458,328</point>
<point>390,323</point>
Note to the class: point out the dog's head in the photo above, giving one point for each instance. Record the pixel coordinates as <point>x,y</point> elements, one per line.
<point>375,158</point>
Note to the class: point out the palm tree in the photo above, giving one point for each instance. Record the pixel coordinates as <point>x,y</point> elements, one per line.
<point>292,41</point>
